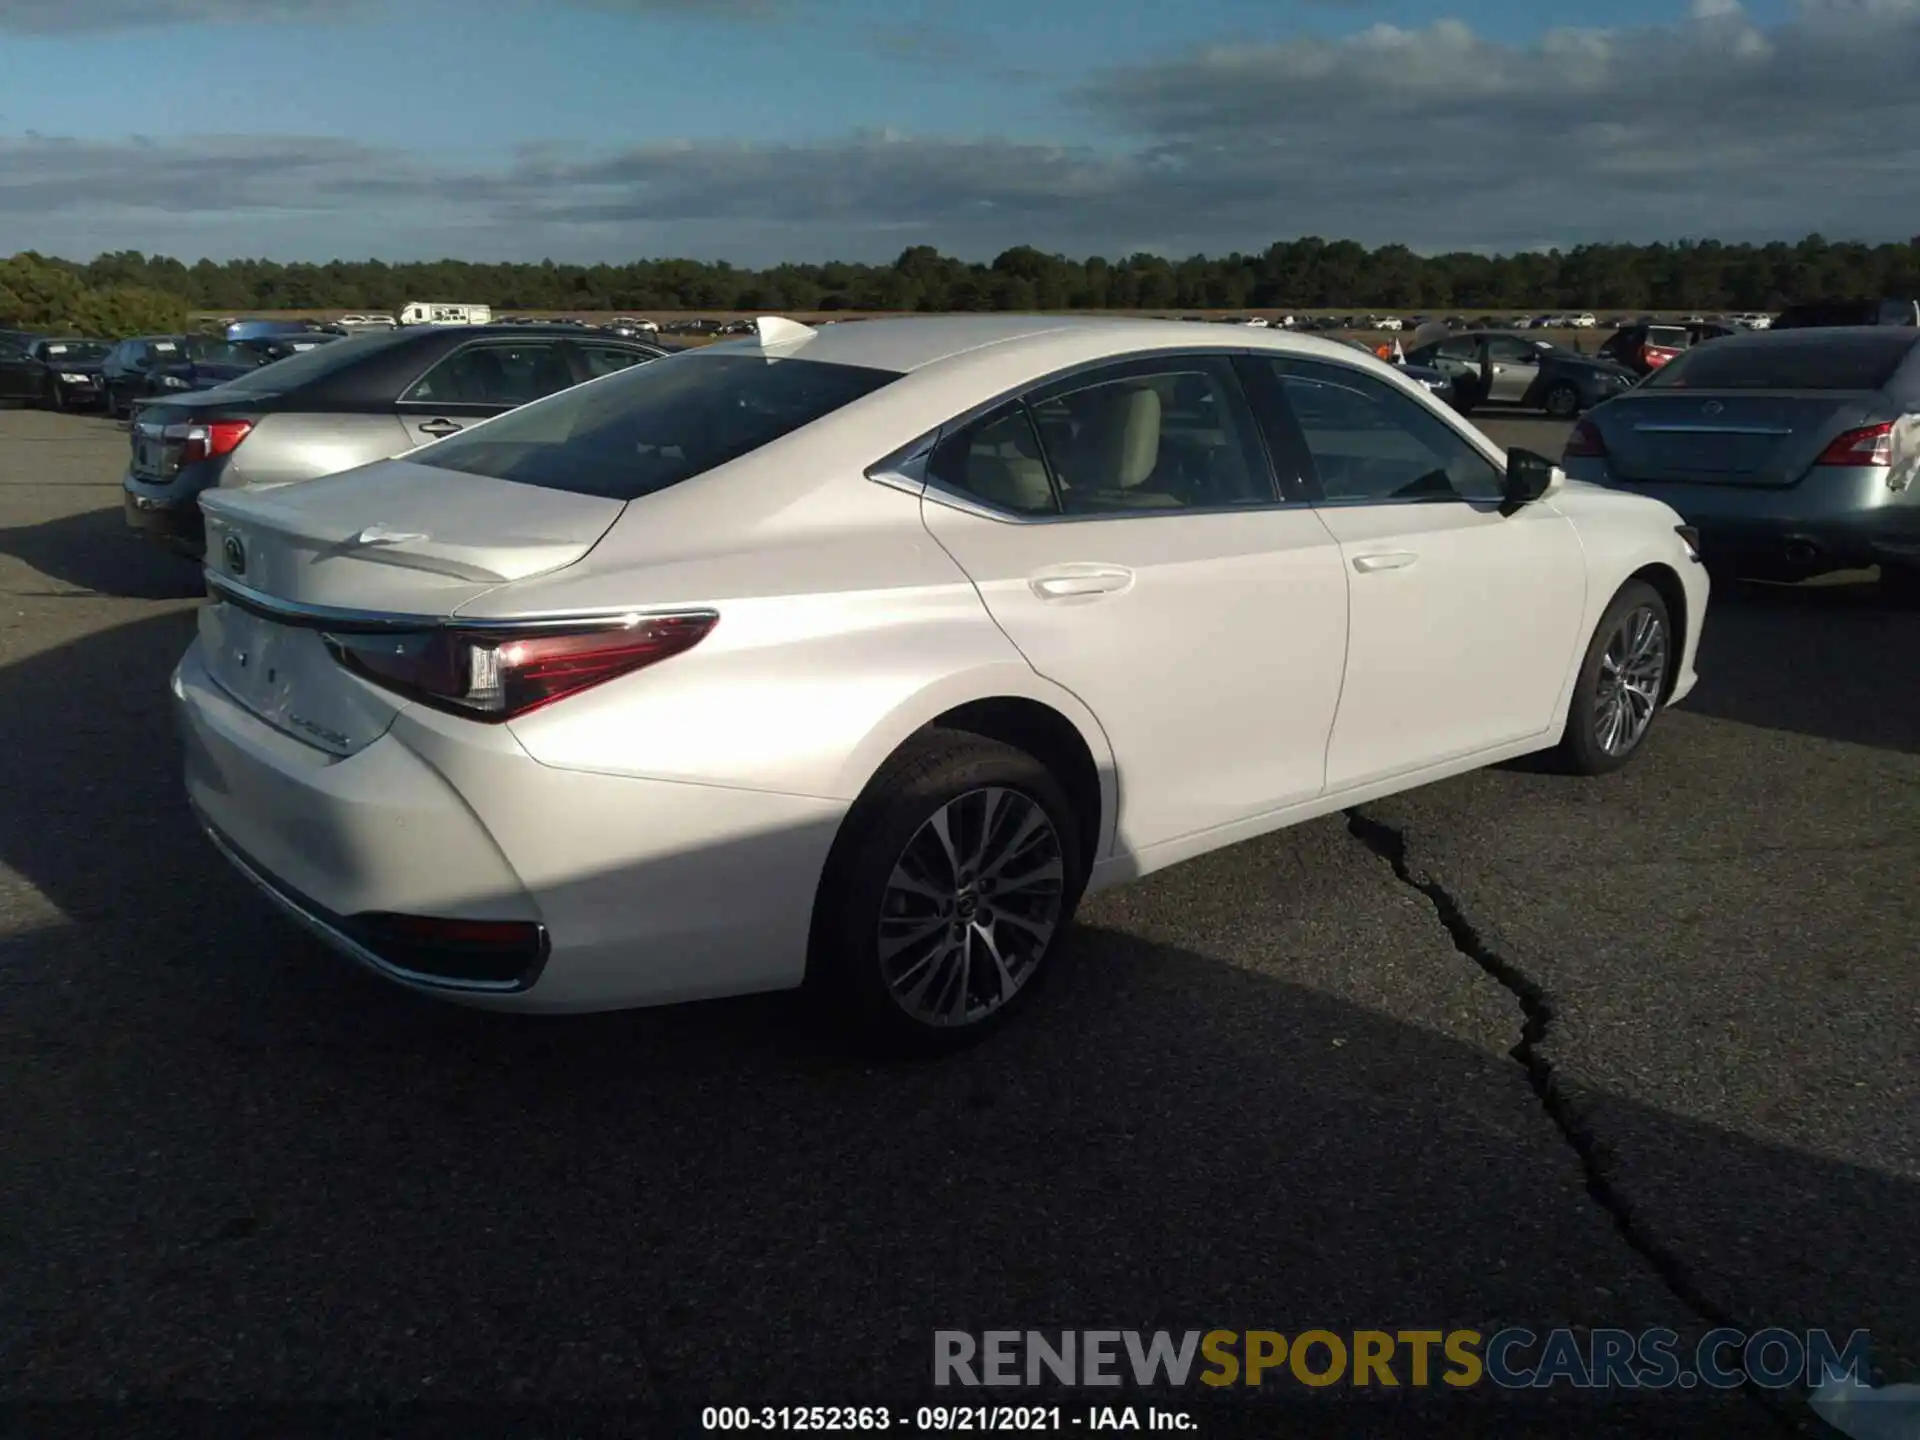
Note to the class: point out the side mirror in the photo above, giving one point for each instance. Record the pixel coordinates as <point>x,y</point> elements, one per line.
<point>1529,476</point>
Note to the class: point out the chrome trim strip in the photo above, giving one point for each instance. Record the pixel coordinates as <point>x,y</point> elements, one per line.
<point>1683,429</point>
<point>342,942</point>
<point>349,622</point>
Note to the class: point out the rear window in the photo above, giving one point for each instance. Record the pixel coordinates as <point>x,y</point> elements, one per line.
<point>1859,362</point>
<point>654,425</point>
<point>1672,337</point>
<point>309,365</point>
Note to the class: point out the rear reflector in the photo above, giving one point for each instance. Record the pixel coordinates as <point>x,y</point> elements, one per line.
<point>1869,445</point>
<point>474,952</point>
<point>1584,442</point>
<point>491,676</point>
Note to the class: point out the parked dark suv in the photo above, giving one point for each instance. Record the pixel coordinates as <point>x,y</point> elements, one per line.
<point>1818,314</point>
<point>344,404</point>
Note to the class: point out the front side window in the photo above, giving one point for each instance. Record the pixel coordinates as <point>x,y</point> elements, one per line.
<point>1178,438</point>
<point>997,461</point>
<point>655,425</point>
<point>510,374</point>
<point>1371,443</point>
<point>1505,350</point>
<point>606,359</point>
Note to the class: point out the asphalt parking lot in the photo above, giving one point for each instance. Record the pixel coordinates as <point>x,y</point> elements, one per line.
<point>1273,1088</point>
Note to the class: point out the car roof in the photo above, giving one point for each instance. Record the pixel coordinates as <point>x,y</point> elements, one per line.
<point>1839,337</point>
<point>917,342</point>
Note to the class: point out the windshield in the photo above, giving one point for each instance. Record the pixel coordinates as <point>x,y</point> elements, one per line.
<point>1860,362</point>
<point>655,425</point>
<point>220,352</point>
<point>314,364</point>
<point>74,350</point>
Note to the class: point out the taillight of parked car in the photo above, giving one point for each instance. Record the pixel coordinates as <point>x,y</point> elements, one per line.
<point>1654,356</point>
<point>1869,445</point>
<point>491,676</point>
<point>1584,442</point>
<point>204,441</point>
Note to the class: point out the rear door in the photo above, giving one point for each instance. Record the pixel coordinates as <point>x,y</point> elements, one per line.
<point>1123,529</point>
<point>478,381</point>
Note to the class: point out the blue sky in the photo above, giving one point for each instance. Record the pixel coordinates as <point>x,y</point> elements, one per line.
<point>756,130</point>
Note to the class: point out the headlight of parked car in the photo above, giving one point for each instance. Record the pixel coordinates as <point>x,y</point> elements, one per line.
<point>173,382</point>
<point>73,379</point>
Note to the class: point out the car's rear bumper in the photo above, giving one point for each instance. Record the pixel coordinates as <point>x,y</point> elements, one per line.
<point>167,513</point>
<point>1838,519</point>
<point>647,892</point>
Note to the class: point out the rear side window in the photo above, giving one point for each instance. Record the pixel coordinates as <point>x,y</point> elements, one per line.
<point>605,359</point>
<point>1667,337</point>
<point>311,365</point>
<point>1864,361</point>
<point>997,461</point>
<point>654,425</point>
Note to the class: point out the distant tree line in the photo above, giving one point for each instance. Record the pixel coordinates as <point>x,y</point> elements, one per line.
<point>1307,273</point>
<point>37,294</point>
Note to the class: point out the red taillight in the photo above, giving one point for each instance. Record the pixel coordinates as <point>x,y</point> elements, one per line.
<point>1584,442</point>
<point>1869,445</point>
<point>1654,356</point>
<point>204,441</point>
<point>492,676</point>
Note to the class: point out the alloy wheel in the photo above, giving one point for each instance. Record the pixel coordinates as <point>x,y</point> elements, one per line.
<point>1633,670</point>
<point>971,906</point>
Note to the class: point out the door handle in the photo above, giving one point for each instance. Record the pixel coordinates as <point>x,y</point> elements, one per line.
<point>1069,584</point>
<point>438,428</point>
<point>1392,560</point>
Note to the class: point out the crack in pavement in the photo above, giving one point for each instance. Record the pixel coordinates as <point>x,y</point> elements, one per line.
<point>1537,1011</point>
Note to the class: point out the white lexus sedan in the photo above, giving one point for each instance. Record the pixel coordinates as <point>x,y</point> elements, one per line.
<point>854,657</point>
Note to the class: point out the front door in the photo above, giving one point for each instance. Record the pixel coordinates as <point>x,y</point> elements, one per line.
<point>1124,530</point>
<point>1515,365</point>
<point>1463,622</point>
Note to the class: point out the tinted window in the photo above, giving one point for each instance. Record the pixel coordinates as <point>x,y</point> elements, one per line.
<point>221,352</point>
<point>310,365</point>
<point>1458,349</point>
<point>655,425</point>
<point>1899,312</point>
<point>1370,442</point>
<point>1857,362</point>
<point>498,374</point>
<point>57,350</point>
<point>1506,350</point>
<point>997,461</point>
<point>1668,337</point>
<point>605,359</point>
<point>1180,438</point>
<point>1827,312</point>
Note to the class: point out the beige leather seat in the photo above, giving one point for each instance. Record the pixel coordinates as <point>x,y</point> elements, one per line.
<point>1118,450</point>
<point>1011,475</point>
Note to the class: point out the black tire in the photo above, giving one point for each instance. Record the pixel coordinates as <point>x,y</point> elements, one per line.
<point>1562,400</point>
<point>845,975</point>
<point>1581,749</point>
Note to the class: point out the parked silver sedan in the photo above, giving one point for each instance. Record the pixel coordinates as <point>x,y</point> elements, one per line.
<point>1791,452</point>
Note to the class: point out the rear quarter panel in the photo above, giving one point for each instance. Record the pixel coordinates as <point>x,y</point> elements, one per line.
<point>294,446</point>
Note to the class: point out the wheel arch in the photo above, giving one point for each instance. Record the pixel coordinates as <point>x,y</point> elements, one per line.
<point>1013,704</point>
<point>1666,583</point>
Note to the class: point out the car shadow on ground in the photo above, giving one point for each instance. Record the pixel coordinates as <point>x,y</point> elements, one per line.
<point>1840,662</point>
<point>237,1170</point>
<point>94,552</point>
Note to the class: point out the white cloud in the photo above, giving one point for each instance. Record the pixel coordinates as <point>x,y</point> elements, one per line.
<point>1437,137</point>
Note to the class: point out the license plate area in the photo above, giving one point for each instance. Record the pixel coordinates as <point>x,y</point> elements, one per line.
<point>283,675</point>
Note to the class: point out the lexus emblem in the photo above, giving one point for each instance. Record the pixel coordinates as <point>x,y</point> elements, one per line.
<point>1712,407</point>
<point>236,555</point>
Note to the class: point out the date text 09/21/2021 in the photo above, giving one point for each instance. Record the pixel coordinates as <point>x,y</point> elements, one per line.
<point>944,1419</point>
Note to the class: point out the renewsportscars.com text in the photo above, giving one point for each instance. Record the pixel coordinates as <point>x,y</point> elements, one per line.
<point>1514,1358</point>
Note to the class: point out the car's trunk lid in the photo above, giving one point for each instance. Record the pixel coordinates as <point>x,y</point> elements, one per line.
<point>389,540</point>
<point>1730,437</point>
